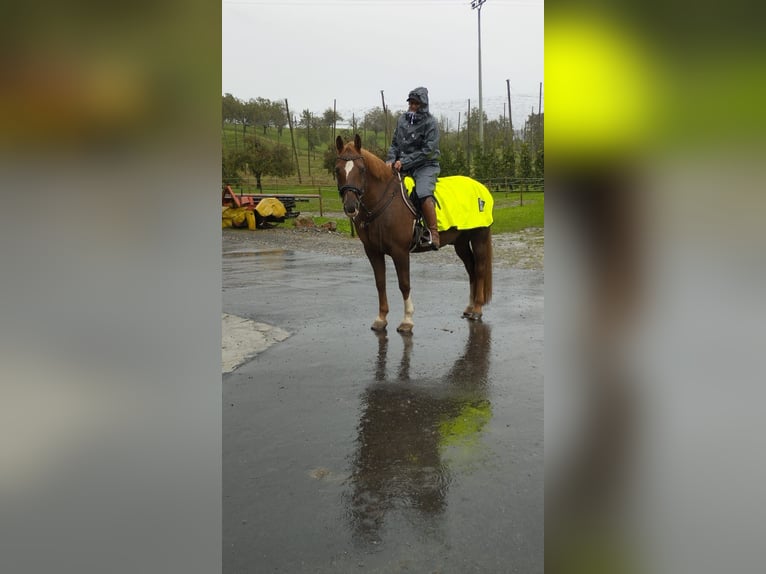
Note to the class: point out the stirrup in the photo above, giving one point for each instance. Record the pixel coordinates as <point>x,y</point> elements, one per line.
<point>419,239</point>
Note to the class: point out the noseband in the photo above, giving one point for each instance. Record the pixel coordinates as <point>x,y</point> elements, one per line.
<point>357,191</point>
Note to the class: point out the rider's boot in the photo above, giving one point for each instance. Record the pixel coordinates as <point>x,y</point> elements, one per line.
<point>429,215</point>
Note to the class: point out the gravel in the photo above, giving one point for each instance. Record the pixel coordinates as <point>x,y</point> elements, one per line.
<point>522,250</point>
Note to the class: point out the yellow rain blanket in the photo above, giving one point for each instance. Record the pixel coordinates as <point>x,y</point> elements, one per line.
<point>271,206</point>
<point>463,202</point>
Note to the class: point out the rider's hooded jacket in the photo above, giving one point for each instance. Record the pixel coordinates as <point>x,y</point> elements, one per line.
<point>416,138</point>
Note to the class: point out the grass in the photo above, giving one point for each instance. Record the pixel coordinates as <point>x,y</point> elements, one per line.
<point>510,216</point>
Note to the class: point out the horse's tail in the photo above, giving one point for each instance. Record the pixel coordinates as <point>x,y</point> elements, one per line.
<point>488,267</point>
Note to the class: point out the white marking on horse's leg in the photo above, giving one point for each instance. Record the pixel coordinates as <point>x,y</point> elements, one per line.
<point>349,167</point>
<point>409,311</point>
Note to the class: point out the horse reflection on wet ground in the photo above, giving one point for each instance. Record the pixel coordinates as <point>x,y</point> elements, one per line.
<point>398,468</point>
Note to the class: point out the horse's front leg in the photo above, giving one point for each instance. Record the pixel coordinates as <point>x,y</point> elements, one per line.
<point>379,268</point>
<point>402,265</point>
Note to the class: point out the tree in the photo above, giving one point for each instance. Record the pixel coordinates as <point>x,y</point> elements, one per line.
<point>488,165</point>
<point>275,112</point>
<point>328,159</point>
<point>330,117</point>
<point>535,131</point>
<point>453,160</point>
<point>260,159</point>
<point>282,161</point>
<point>233,162</point>
<point>508,161</point>
<point>230,109</point>
<point>540,163</point>
<point>525,162</point>
<point>495,133</point>
<point>444,126</point>
<point>472,127</point>
<point>375,121</point>
<point>312,125</point>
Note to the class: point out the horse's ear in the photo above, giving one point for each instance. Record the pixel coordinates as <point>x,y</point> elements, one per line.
<point>357,142</point>
<point>339,143</point>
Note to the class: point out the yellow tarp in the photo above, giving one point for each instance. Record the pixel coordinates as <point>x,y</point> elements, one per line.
<point>271,206</point>
<point>237,217</point>
<point>463,202</point>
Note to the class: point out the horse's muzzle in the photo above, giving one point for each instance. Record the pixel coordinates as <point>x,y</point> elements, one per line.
<point>350,203</point>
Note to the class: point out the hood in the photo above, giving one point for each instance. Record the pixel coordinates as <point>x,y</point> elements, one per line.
<point>420,94</point>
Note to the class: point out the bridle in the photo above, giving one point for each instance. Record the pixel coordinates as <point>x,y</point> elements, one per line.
<point>357,191</point>
<point>369,215</point>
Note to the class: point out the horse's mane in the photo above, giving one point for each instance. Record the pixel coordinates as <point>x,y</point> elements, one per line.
<point>376,167</point>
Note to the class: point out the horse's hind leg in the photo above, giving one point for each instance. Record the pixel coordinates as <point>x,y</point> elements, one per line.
<point>481,247</point>
<point>379,269</point>
<point>463,250</point>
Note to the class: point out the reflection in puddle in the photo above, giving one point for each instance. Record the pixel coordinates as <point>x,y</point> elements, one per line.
<point>260,252</point>
<point>410,434</point>
<point>268,259</point>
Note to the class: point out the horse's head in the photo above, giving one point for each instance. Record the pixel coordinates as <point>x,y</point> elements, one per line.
<point>351,173</point>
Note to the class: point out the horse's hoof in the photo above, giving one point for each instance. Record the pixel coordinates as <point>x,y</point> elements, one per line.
<point>379,326</point>
<point>472,316</point>
<point>405,328</point>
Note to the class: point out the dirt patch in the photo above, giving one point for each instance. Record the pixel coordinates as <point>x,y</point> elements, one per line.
<point>524,250</point>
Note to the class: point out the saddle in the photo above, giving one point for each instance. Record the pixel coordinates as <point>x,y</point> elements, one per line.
<point>461,203</point>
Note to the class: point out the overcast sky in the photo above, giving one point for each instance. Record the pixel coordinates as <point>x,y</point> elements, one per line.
<point>314,52</point>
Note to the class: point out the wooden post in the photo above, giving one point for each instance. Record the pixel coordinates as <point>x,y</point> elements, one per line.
<point>385,119</point>
<point>308,141</point>
<point>468,135</point>
<point>292,138</point>
<point>510,116</point>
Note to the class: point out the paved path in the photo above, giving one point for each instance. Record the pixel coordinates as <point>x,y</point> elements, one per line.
<point>345,451</point>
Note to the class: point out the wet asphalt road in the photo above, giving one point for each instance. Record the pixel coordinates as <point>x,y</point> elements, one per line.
<point>347,451</point>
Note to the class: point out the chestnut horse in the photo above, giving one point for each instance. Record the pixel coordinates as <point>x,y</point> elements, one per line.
<point>374,198</point>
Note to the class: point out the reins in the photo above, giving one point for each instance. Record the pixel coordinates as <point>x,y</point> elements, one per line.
<point>405,197</point>
<point>371,215</point>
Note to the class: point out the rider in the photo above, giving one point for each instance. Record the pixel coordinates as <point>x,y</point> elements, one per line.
<point>415,151</point>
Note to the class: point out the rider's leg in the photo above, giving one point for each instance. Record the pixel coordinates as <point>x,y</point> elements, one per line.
<point>425,182</point>
<point>429,214</point>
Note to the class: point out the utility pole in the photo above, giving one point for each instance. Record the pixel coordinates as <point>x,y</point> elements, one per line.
<point>474,5</point>
<point>540,100</point>
<point>385,118</point>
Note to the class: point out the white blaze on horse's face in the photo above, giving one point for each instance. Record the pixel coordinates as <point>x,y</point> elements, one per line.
<point>349,167</point>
